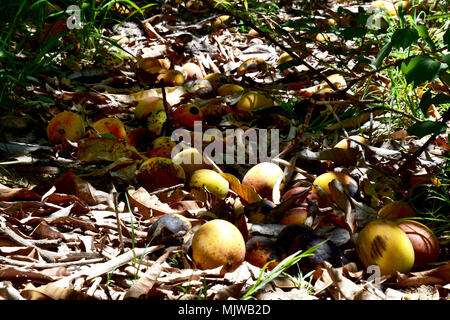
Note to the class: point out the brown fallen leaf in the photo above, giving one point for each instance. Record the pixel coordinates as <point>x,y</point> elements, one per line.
<point>246,193</point>
<point>8,194</point>
<point>53,292</point>
<point>149,205</point>
<point>439,275</point>
<point>147,280</point>
<point>71,184</point>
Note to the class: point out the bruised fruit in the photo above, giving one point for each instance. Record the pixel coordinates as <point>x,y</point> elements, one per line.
<point>252,100</point>
<point>187,114</point>
<point>259,212</point>
<point>211,180</point>
<point>260,250</point>
<point>147,105</point>
<point>172,77</point>
<point>217,79</point>
<point>325,179</point>
<point>162,147</point>
<point>218,243</point>
<point>424,242</point>
<point>190,160</point>
<point>156,120</point>
<point>384,243</point>
<point>65,125</point>
<point>326,37</point>
<point>112,126</point>
<point>296,215</point>
<point>200,88</point>
<point>169,230</point>
<point>347,144</point>
<point>263,177</point>
<point>396,210</point>
<point>251,65</point>
<point>296,237</point>
<point>156,173</point>
<point>230,89</point>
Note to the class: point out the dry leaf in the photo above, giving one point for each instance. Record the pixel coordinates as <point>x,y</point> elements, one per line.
<point>149,205</point>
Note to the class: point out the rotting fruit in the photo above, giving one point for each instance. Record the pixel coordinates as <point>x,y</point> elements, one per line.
<point>66,125</point>
<point>423,240</point>
<point>396,210</point>
<point>260,250</point>
<point>156,173</point>
<point>211,180</point>
<point>162,147</point>
<point>263,177</point>
<point>384,243</point>
<point>112,126</point>
<point>218,243</point>
<point>169,230</point>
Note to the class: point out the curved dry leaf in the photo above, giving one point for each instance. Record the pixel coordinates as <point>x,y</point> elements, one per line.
<point>149,204</point>
<point>53,292</point>
<point>246,193</point>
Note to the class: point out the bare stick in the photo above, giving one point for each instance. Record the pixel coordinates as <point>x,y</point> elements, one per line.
<point>33,265</point>
<point>119,225</point>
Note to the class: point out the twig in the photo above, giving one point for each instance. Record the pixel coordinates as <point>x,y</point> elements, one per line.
<point>26,264</point>
<point>415,155</point>
<point>119,225</point>
<point>9,292</point>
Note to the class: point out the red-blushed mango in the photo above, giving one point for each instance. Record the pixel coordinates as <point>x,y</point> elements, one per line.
<point>384,243</point>
<point>396,210</point>
<point>263,177</point>
<point>192,71</point>
<point>112,126</point>
<point>157,173</point>
<point>260,250</point>
<point>66,125</point>
<point>218,243</point>
<point>423,240</point>
<point>296,215</point>
<point>187,114</point>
